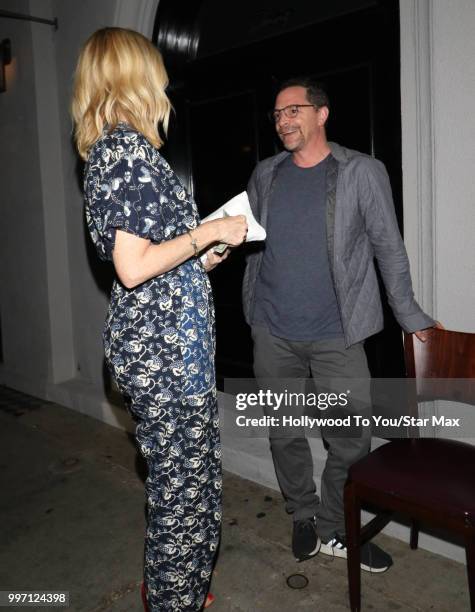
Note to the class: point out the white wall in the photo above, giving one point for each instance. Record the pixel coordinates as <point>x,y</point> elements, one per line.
<point>77,21</point>
<point>453,66</point>
<point>23,278</point>
<point>438,141</point>
<point>54,291</point>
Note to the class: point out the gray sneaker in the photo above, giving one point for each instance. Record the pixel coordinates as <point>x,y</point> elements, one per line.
<point>305,541</point>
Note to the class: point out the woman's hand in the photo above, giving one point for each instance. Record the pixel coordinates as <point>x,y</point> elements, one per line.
<point>214,259</point>
<point>231,230</point>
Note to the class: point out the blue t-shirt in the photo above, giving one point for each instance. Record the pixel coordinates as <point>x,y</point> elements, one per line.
<point>295,296</point>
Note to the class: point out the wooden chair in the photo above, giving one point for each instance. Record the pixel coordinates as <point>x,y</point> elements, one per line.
<point>430,480</point>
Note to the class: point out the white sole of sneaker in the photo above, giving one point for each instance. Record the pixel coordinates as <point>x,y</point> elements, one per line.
<point>373,570</point>
<point>332,551</point>
<point>313,553</point>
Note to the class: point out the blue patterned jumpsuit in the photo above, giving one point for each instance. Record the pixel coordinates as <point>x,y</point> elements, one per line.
<point>159,344</point>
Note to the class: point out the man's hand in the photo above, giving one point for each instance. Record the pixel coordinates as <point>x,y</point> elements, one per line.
<point>423,334</point>
<point>213,259</point>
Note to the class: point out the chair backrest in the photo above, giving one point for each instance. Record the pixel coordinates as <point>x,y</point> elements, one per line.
<point>445,355</point>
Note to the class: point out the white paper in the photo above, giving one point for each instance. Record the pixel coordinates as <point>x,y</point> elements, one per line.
<point>239,205</point>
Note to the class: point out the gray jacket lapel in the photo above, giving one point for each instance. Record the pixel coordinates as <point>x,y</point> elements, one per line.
<point>331,182</point>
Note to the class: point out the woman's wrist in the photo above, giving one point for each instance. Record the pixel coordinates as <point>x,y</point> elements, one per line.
<point>194,242</point>
<point>207,233</point>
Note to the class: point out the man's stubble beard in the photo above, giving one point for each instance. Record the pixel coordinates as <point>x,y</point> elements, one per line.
<point>293,146</point>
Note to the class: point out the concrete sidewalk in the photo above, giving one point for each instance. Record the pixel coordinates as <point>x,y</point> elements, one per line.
<point>72,517</point>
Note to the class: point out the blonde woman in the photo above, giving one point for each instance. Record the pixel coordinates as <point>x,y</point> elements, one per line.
<point>159,331</point>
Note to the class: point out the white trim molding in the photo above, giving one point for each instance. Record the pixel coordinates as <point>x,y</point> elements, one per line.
<point>50,160</point>
<point>136,14</point>
<point>418,148</point>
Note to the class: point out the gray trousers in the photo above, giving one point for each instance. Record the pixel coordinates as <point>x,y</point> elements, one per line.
<point>276,358</point>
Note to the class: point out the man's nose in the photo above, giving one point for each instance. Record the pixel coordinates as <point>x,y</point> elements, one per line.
<point>282,120</point>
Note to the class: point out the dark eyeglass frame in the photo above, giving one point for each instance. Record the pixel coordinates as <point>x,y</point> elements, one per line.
<point>275,113</point>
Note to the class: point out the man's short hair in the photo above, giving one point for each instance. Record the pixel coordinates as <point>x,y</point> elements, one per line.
<point>316,93</point>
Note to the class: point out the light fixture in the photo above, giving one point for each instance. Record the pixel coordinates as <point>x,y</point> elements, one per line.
<point>5,59</point>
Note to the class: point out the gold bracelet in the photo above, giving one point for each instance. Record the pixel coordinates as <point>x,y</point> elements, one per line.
<point>194,244</point>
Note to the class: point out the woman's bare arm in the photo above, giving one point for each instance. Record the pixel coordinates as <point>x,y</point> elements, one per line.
<point>136,260</point>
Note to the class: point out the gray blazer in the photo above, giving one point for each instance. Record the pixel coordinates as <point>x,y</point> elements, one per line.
<point>361,226</point>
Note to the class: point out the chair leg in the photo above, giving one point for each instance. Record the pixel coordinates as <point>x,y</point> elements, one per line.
<point>470,553</point>
<point>353,527</point>
<point>414,541</point>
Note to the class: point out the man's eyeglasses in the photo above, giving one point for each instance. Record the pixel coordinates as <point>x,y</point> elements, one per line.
<point>290,111</point>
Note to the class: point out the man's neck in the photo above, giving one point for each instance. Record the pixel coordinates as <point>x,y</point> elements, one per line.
<point>311,156</point>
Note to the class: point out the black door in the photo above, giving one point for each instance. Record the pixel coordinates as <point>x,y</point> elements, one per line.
<point>222,99</point>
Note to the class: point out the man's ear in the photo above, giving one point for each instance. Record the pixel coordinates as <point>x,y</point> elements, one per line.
<point>323,113</point>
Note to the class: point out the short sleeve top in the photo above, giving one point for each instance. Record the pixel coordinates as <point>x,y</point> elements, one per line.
<point>130,186</point>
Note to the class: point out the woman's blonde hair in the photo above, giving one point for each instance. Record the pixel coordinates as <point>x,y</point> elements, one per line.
<point>120,76</point>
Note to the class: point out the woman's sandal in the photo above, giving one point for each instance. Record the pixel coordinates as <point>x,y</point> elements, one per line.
<point>143,593</point>
<point>209,601</point>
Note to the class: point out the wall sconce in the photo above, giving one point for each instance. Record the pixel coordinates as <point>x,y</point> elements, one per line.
<point>5,59</point>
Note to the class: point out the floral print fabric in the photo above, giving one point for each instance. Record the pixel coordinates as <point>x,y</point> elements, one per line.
<point>159,344</point>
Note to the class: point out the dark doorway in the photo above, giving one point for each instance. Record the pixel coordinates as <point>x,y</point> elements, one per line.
<point>222,87</point>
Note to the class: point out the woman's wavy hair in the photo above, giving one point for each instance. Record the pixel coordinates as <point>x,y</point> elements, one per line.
<point>120,76</point>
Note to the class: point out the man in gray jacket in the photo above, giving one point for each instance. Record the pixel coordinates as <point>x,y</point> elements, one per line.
<point>311,297</point>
